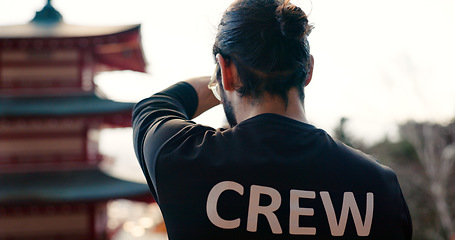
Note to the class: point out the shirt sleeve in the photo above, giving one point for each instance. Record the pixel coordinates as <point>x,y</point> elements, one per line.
<point>177,103</point>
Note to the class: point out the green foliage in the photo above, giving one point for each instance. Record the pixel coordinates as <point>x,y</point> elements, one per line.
<point>400,152</point>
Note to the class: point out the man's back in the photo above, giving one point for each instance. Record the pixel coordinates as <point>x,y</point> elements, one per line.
<point>270,177</point>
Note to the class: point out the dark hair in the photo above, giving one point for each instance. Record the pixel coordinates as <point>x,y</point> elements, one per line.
<point>267,42</point>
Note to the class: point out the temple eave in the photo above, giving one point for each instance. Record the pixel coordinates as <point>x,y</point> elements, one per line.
<point>66,186</point>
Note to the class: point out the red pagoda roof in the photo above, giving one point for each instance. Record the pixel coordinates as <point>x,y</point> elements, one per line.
<point>114,47</point>
<point>66,186</point>
<point>86,106</point>
<point>60,106</point>
<point>60,30</point>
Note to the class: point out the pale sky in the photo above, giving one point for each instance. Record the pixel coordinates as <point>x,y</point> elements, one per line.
<point>377,63</point>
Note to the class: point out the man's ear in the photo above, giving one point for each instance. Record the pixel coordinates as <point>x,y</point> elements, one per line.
<point>310,72</point>
<point>228,73</point>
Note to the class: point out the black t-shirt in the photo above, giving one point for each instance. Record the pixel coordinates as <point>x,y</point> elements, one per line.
<point>269,177</point>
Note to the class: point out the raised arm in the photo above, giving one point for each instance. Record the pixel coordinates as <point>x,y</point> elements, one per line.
<point>162,115</point>
<point>206,99</point>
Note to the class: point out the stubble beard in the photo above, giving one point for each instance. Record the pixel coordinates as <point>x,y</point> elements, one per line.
<point>228,110</point>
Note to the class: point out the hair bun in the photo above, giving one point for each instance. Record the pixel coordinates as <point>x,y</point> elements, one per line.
<point>293,21</point>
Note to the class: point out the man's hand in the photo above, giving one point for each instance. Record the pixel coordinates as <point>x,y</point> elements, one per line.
<point>206,98</point>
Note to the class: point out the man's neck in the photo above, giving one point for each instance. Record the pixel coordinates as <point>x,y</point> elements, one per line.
<point>272,104</point>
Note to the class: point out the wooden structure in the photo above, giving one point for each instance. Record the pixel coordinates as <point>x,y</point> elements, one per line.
<point>51,186</point>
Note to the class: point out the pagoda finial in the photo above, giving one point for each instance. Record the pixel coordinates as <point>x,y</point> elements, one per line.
<point>48,15</point>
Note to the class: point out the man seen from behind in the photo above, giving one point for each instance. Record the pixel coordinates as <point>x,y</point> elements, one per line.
<point>271,174</point>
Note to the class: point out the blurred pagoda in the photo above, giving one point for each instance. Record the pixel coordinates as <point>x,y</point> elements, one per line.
<point>51,185</point>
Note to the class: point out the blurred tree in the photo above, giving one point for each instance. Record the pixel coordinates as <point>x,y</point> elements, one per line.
<point>435,148</point>
<point>424,160</point>
<point>341,134</point>
<point>402,158</point>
